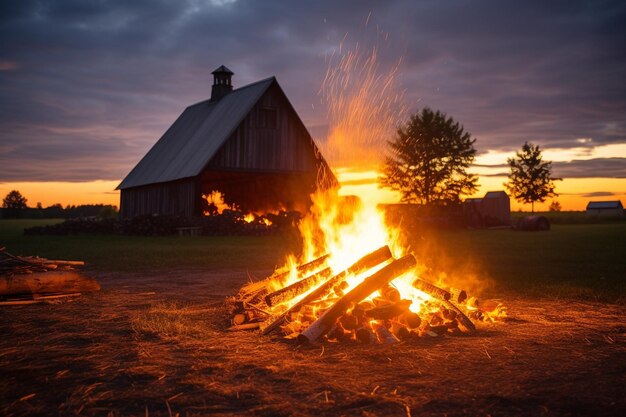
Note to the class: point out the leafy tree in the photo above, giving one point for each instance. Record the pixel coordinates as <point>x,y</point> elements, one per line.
<point>530,179</point>
<point>555,206</point>
<point>14,202</point>
<point>428,160</point>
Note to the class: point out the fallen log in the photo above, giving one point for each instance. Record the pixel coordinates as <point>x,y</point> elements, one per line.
<point>432,290</point>
<point>55,282</point>
<point>291,291</point>
<point>370,284</point>
<point>368,261</point>
<point>37,299</point>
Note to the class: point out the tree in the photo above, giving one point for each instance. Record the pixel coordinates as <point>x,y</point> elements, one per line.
<point>428,160</point>
<point>555,206</point>
<point>14,202</point>
<point>530,179</point>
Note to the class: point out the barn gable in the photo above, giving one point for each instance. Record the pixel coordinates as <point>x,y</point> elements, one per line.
<point>190,143</point>
<point>249,144</point>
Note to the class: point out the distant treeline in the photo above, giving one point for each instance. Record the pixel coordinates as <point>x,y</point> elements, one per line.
<point>57,211</point>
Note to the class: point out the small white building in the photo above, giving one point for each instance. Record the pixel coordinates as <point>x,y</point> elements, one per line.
<point>605,208</point>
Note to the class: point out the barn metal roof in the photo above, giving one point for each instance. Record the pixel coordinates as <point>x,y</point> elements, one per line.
<point>194,138</point>
<point>496,194</point>
<point>604,205</point>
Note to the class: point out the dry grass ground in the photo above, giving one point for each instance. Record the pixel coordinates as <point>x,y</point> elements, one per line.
<point>153,344</point>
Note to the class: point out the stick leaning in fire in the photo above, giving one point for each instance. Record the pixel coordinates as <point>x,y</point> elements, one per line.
<point>322,325</point>
<point>255,291</point>
<point>368,261</point>
<point>444,296</point>
<point>291,291</point>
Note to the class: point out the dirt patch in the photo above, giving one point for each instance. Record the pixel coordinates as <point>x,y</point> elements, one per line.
<point>152,344</point>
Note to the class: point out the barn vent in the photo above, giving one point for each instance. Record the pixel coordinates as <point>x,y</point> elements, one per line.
<point>222,83</point>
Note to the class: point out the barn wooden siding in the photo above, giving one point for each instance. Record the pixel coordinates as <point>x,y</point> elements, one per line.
<point>177,198</point>
<point>255,146</point>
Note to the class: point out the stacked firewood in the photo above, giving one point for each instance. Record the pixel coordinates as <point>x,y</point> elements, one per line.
<point>31,279</point>
<point>319,305</point>
<point>11,264</point>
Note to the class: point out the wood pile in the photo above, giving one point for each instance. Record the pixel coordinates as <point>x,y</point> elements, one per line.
<point>31,279</point>
<point>319,304</point>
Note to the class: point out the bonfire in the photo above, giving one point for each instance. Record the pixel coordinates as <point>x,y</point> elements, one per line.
<point>355,282</point>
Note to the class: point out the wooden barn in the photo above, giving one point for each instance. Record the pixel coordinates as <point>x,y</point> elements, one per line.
<point>494,209</point>
<point>249,144</point>
<point>605,208</point>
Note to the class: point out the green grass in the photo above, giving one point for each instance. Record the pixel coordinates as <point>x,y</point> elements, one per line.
<point>135,253</point>
<point>580,260</point>
<point>587,260</point>
<point>569,217</point>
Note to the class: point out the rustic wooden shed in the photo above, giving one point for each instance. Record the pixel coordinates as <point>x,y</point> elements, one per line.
<point>249,144</point>
<point>491,210</point>
<point>605,208</point>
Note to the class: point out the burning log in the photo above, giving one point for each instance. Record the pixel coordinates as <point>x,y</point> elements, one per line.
<point>413,320</point>
<point>365,335</point>
<point>257,290</point>
<point>388,311</point>
<point>385,336</point>
<point>322,325</point>
<point>368,261</point>
<point>462,318</point>
<point>457,295</point>
<point>432,290</point>
<point>291,291</point>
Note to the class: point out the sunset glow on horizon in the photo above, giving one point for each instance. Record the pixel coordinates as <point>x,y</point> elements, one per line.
<point>574,193</point>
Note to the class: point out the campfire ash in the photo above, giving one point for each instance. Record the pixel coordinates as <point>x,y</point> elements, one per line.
<point>352,292</point>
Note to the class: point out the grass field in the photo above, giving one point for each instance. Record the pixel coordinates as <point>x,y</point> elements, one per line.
<point>152,341</point>
<point>587,260</point>
<point>134,253</point>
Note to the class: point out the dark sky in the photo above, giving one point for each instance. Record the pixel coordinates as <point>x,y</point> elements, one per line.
<point>87,87</point>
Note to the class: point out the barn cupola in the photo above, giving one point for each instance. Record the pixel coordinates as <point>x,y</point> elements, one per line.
<point>222,84</point>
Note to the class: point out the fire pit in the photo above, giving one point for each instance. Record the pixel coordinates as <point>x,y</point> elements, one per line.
<point>383,296</point>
